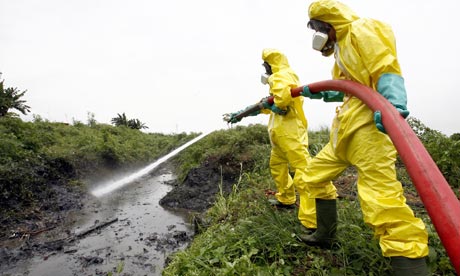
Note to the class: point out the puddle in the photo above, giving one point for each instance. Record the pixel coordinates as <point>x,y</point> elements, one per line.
<point>140,236</point>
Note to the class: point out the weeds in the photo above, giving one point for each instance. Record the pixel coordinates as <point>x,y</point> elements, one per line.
<point>36,155</point>
<point>247,236</point>
<point>119,269</point>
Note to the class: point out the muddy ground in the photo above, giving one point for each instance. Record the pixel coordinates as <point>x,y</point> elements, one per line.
<point>44,231</point>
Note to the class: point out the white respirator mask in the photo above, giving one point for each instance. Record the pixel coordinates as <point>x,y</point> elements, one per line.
<point>264,78</point>
<point>319,40</point>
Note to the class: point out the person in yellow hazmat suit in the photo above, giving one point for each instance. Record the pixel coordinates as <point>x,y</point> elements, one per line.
<point>287,128</point>
<point>365,52</point>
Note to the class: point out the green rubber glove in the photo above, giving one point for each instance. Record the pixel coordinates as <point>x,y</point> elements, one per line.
<point>391,86</point>
<point>332,96</point>
<point>378,121</point>
<point>233,119</point>
<point>273,107</point>
<point>278,110</point>
<point>306,93</point>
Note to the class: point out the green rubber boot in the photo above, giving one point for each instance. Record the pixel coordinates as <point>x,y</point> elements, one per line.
<point>326,220</point>
<point>403,266</point>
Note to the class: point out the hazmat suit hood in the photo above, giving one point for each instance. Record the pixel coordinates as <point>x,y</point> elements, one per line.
<point>276,59</point>
<point>333,12</point>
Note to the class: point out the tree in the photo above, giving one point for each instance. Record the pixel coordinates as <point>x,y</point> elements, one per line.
<point>136,124</point>
<point>10,98</point>
<point>122,120</point>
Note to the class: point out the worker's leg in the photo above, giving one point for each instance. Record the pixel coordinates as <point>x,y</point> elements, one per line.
<point>381,196</point>
<point>319,173</point>
<point>317,178</point>
<point>279,169</point>
<point>297,155</point>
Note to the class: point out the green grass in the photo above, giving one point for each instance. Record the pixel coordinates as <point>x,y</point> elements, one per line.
<point>243,235</point>
<point>36,155</point>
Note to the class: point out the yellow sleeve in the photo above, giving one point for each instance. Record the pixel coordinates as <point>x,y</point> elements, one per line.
<point>280,88</point>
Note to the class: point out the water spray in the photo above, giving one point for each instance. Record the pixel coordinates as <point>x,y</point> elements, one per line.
<point>110,187</point>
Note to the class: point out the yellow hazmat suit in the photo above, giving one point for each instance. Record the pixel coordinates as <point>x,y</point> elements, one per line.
<point>365,50</point>
<point>289,138</point>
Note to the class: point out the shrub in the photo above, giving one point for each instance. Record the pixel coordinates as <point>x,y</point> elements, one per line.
<point>444,150</point>
<point>36,155</point>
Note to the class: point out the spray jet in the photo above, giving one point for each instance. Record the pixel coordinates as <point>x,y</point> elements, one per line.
<point>112,186</point>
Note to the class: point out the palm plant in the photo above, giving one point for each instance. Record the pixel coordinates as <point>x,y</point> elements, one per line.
<point>10,98</point>
<point>120,120</point>
<point>136,124</point>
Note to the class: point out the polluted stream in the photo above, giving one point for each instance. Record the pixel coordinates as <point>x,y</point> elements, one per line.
<point>122,230</point>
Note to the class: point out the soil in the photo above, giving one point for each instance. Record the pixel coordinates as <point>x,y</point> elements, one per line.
<point>44,230</point>
<point>199,189</point>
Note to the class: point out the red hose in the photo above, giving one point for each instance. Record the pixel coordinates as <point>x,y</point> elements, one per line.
<point>438,197</point>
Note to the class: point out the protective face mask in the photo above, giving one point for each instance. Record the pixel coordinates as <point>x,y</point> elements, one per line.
<point>264,78</point>
<point>319,40</point>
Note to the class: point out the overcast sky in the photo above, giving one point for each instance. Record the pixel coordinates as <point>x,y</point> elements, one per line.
<point>178,65</point>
